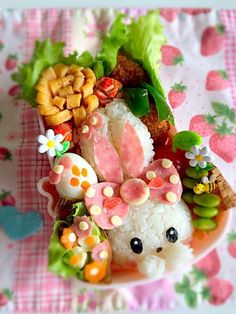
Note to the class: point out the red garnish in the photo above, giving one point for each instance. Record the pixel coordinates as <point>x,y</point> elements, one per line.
<point>156,183</point>
<point>110,203</point>
<point>106,84</point>
<point>65,129</point>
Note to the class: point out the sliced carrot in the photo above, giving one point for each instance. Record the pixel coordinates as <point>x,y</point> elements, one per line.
<point>95,271</point>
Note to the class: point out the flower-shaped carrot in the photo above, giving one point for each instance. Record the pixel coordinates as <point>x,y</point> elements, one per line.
<point>95,272</point>
<point>68,238</point>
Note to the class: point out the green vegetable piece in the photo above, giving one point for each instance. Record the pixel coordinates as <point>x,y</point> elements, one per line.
<point>163,109</point>
<point>56,253</point>
<point>137,100</point>
<point>112,42</point>
<point>98,69</point>
<point>188,197</point>
<point>143,43</point>
<point>189,182</point>
<point>206,224</point>
<point>85,59</point>
<point>207,200</point>
<point>205,212</point>
<point>66,146</point>
<point>195,174</point>
<point>78,209</point>
<point>184,140</point>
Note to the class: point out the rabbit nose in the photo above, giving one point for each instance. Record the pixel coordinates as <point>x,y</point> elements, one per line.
<point>159,249</point>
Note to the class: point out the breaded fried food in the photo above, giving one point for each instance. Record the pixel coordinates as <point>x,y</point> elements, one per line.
<point>128,72</point>
<point>159,130</point>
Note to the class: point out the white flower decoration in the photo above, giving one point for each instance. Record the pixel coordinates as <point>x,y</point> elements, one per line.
<point>198,156</point>
<point>50,143</point>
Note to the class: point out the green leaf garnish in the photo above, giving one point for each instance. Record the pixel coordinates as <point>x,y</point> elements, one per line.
<point>66,146</point>
<point>78,209</point>
<point>184,140</point>
<point>85,59</point>
<point>163,109</point>
<point>144,41</point>
<point>98,69</point>
<point>56,251</point>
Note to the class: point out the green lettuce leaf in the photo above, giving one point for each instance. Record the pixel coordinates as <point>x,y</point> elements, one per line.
<point>56,253</point>
<point>111,44</point>
<point>144,40</point>
<point>78,209</point>
<point>85,59</point>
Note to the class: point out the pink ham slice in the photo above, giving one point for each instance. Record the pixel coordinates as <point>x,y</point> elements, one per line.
<point>170,186</point>
<point>107,160</point>
<point>131,151</point>
<point>134,191</point>
<point>104,219</point>
<point>76,227</point>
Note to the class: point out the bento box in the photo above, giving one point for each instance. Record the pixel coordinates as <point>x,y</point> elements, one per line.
<point>132,198</point>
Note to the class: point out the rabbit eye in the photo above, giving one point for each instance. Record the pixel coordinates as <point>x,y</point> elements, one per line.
<point>172,235</point>
<point>136,245</point>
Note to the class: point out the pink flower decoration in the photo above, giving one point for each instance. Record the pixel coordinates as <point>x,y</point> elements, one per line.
<point>102,246</point>
<point>82,226</point>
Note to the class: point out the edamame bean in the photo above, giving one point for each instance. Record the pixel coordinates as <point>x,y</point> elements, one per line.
<point>188,197</point>
<point>195,174</point>
<point>206,224</point>
<point>189,182</point>
<point>207,200</point>
<point>205,212</point>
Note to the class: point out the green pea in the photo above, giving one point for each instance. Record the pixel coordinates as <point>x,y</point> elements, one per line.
<point>207,200</point>
<point>189,182</point>
<point>205,212</point>
<point>206,224</point>
<point>188,197</point>
<point>195,174</point>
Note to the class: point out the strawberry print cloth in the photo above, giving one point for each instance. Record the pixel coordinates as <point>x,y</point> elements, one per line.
<point>198,72</point>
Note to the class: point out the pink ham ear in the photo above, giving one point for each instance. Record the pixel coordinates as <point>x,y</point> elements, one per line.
<point>105,205</point>
<point>164,181</point>
<point>131,151</point>
<point>107,160</point>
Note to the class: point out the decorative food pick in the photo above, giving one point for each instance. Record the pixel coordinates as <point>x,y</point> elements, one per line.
<point>206,185</point>
<point>199,156</point>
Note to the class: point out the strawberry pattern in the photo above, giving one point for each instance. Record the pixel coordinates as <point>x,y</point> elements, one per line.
<point>193,74</point>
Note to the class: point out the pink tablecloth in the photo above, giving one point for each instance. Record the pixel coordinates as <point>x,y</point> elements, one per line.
<point>23,264</point>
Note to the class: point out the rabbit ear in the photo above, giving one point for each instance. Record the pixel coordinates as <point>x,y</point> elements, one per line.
<point>107,159</point>
<point>105,205</point>
<point>131,151</point>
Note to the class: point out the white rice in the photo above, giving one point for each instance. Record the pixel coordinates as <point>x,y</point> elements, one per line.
<point>149,223</point>
<point>115,115</point>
